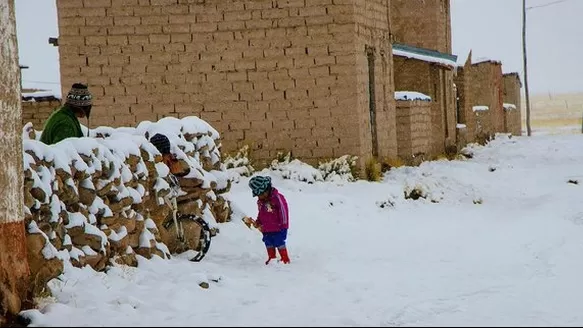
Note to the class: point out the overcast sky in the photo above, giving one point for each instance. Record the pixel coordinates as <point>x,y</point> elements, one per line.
<point>491,28</point>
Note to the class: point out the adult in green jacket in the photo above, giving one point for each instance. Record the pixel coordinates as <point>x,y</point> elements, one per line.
<point>64,122</point>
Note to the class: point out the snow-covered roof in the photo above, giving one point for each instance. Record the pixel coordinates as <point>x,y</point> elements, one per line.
<point>427,55</point>
<point>480,108</point>
<point>39,96</point>
<point>411,95</point>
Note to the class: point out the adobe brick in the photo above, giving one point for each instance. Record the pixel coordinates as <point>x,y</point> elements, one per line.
<point>259,23</point>
<point>147,10</point>
<point>319,71</point>
<point>124,3</point>
<point>159,38</point>
<point>284,84</point>
<point>239,15</point>
<point>148,29</point>
<point>260,43</point>
<point>318,20</point>
<point>203,27</point>
<point>265,64</point>
<point>317,30</point>
<point>99,21</point>
<point>271,94</point>
<point>289,3</point>
<point>245,64</point>
<point>120,11</point>
<point>236,76</point>
<point>94,12</point>
<point>136,89</point>
<point>280,74</point>
<point>258,4</point>
<point>272,13</point>
<point>71,21</point>
<point>70,4</point>
<point>117,40</point>
<point>163,2</point>
<point>176,48</point>
<point>134,69</point>
<point>138,109</point>
<point>303,62</point>
<point>231,26</point>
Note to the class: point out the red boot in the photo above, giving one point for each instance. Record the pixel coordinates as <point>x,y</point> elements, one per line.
<point>284,256</point>
<point>270,254</point>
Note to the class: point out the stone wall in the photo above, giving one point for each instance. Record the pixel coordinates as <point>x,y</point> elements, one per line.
<point>414,130</point>
<point>280,75</point>
<point>37,112</point>
<point>14,270</point>
<point>422,23</point>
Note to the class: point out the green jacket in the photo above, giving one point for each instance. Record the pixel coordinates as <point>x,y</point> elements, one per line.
<point>61,124</point>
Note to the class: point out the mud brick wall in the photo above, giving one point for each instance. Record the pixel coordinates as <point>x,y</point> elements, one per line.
<point>414,129</point>
<point>14,270</point>
<point>280,75</point>
<point>436,82</point>
<point>422,23</point>
<point>465,113</point>
<point>37,112</point>
<point>512,95</point>
<point>372,35</point>
<point>487,90</point>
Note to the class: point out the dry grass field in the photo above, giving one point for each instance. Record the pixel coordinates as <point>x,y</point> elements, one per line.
<point>555,113</point>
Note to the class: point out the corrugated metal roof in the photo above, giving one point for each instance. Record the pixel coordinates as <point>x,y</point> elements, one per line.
<point>428,55</point>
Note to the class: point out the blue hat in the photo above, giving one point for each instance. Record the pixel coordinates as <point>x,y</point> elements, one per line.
<point>259,185</point>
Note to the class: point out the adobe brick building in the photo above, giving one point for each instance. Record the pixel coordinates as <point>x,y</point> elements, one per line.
<point>422,34</point>
<point>481,85</point>
<point>37,107</point>
<point>512,96</point>
<point>14,270</point>
<point>430,72</point>
<point>414,130</point>
<point>311,77</point>
<point>422,23</point>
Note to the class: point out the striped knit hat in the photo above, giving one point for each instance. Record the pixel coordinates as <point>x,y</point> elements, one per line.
<point>259,185</point>
<point>79,96</point>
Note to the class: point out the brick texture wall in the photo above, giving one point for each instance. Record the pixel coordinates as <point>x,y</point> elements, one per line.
<point>465,113</point>
<point>422,23</point>
<point>414,129</point>
<point>436,82</point>
<point>512,95</point>
<point>486,89</point>
<point>372,19</point>
<point>37,112</point>
<point>281,75</point>
<point>14,271</point>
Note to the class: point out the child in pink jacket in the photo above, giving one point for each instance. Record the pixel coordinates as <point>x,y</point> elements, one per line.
<point>273,217</point>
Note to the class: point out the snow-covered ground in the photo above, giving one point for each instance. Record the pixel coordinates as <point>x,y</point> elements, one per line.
<point>501,245</point>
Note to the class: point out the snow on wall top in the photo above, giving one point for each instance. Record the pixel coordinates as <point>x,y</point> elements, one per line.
<point>508,106</point>
<point>480,108</point>
<point>411,95</point>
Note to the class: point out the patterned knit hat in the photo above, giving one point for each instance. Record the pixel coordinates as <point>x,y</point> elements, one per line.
<point>161,143</point>
<point>79,96</point>
<point>259,185</point>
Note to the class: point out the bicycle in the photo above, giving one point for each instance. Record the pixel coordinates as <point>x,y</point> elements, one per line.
<point>191,221</point>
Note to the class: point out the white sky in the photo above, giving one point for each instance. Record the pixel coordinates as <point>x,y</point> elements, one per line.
<point>491,28</point>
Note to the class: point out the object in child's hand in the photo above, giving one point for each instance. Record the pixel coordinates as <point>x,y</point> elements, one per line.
<point>248,221</point>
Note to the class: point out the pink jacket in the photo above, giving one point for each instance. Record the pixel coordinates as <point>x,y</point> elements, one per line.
<point>273,214</point>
